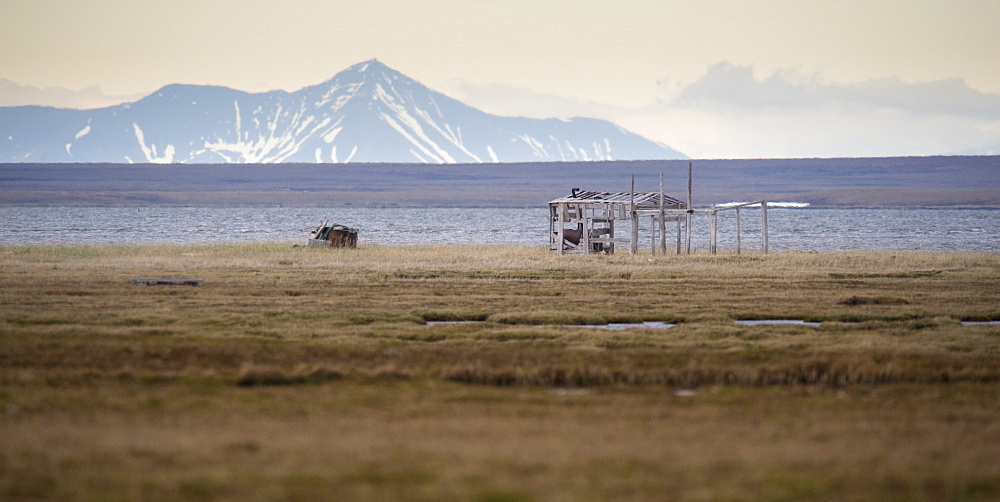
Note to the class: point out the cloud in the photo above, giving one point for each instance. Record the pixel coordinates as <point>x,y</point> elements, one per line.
<point>729,88</point>
<point>943,97</point>
<point>12,94</point>
<point>730,113</point>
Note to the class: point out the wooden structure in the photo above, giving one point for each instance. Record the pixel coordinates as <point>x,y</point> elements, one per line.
<point>333,236</point>
<point>584,221</point>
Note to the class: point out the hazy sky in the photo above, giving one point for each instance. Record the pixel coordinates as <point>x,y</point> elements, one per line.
<point>780,78</point>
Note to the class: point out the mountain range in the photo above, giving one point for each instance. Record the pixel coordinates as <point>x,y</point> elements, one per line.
<point>366,113</point>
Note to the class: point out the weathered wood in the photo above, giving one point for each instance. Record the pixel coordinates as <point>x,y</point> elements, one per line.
<point>679,236</point>
<point>763,225</point>
<point>690,205</point>
<point>552,228</point>
<point>562,229</point>
<point>714,223</point>
<point>663,220</point>
<point>739,232</point>
<point>333,236</point>
<point>610,240</point>
<point>634,247</point>
<point>690,184</point>
<point>343,238</point>
<point>584,222</point>
<point>687,232</point>
<point>611,230</point>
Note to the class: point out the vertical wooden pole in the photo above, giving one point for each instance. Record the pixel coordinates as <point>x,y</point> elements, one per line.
<point>552,228</point>
<point>690,208</point>
<point>663,221</point>
<point>678,234</point>
<point>634,244</point>
<point>687,232</point>
<point>715,231</point>
<point>763,225</point>
<point>611,231</point>
<point>561,210</point>
<point>690,176</point>
<point>652,234</point>
<point>635,232</point>
<point>739,231</point>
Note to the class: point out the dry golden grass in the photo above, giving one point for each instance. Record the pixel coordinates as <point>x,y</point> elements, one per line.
<point>303,374</point>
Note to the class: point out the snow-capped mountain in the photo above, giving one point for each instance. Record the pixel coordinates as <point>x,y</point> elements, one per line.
<point>366,113</point>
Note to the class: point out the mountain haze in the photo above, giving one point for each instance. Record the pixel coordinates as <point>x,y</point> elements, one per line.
<point>366,113</point>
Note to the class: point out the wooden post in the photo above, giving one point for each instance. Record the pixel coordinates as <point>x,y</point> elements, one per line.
<point>715,230</point>
<point>634,245</point>
<point>739,231</point>
<point>663,221</point>
<point>690,175</point>
<point>652,234</point>
<point>690,208</point>
<point>635,233</point>
<point>678,234</point>
<point>611,230</point>
<point>763,224</point>
<point>552,227</point>
<point>687,232</point>
<point>561,210</point>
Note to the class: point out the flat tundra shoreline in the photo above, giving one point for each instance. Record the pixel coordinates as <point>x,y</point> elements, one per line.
<point>482,373</point>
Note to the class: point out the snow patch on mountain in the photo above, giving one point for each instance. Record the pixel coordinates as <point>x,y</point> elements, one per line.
<point>150,150</point>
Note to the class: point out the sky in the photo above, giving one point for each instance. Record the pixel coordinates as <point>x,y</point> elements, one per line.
<point>711,78</point>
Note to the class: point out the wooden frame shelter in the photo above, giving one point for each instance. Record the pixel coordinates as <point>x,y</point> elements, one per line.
<point>584,221</point>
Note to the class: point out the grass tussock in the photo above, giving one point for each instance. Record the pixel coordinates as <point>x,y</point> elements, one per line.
<point>446,316</point>
<point>266,375</point>
<point>804,369</point>
<point>877,300</point>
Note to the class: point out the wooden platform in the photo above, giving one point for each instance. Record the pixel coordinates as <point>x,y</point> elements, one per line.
<point>166,281</point>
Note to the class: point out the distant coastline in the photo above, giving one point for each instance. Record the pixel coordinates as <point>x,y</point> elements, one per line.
<point>935,182</point>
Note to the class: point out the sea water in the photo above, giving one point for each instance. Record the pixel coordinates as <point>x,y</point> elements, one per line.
<point>789,229</point>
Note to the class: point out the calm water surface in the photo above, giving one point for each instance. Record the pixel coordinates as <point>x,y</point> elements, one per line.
<point>790,229</point>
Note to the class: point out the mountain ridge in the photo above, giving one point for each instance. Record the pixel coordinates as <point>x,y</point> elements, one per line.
<point>365,113</point>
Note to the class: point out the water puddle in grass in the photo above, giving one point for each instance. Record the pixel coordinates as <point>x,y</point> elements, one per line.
<point>759,322</point>
<point>622,326</point>
<point>615,326</point>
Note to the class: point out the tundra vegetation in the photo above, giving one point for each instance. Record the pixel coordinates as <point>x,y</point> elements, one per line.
<point>312,374</point>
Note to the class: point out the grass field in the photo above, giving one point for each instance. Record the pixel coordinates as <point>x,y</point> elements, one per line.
<point>310,374</point>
